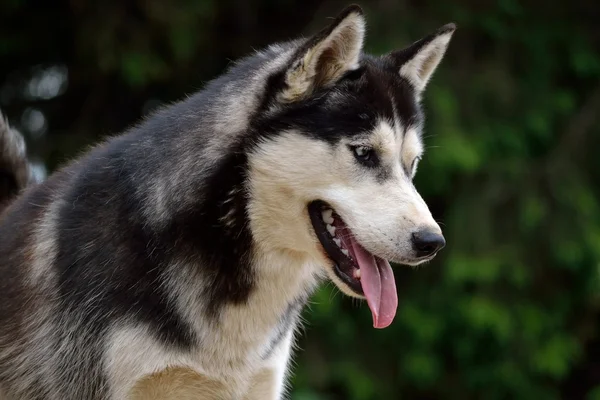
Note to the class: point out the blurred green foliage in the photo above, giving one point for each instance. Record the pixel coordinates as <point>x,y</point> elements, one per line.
<point>511,308</point>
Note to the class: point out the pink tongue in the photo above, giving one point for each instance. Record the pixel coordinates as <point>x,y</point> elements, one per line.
<point>377,280</point>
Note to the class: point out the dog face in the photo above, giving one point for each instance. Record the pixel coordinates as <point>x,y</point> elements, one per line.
<point>334,180</point>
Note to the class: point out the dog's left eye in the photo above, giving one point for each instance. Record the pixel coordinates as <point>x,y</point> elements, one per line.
<point>365,155</point>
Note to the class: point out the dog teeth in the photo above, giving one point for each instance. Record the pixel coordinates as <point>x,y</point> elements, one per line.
<point>331,230</point>
<point>357,274</point>
<point>346,252</point>
<point>328,216</point>
<point>338,242</point>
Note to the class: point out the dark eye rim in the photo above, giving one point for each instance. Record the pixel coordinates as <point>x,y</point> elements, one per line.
<point>369,160</point>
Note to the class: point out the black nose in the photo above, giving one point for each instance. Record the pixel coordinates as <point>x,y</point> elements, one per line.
<point>426,242</point>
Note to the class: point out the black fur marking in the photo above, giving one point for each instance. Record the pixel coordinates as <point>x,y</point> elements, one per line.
<point>103,228</point>
<point>224,237</point>
<point>99,232</point>
<point>351,108</point>
<point>109,267</point>
<point>94,264</point>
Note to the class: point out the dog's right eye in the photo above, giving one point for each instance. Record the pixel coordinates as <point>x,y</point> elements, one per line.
<point>365,155</point>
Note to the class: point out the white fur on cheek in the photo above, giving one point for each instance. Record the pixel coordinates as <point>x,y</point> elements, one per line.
<point>382,223</point>
<point>290,171</point>
<point>286,173</point>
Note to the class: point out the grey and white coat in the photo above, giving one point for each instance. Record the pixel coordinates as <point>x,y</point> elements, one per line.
<point>173,260</point>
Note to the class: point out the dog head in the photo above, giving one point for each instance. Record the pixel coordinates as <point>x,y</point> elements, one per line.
<point>340,144</point>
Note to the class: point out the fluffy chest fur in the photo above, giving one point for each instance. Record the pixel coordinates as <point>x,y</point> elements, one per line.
<point>242,341</point>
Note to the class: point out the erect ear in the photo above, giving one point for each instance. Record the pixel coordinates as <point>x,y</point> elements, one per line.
<point>328,55</point>
<point>418,61</point>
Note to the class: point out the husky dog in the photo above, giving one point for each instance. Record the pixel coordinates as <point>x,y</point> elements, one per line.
<point>172,261</point>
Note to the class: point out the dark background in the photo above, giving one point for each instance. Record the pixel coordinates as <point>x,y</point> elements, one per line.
<point>511,307</point>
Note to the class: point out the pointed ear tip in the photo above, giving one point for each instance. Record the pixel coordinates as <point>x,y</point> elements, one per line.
<point>447,29</point>
<point>352,9</point>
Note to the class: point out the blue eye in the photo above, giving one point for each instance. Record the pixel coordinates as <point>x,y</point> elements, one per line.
<point>363,152</point>
<point>365,155</point>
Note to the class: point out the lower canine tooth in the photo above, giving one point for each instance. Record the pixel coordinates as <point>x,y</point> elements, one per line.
<point>331,230</point>
<point>346,252</point>
<point>357,273</point>
<point>328,216</point>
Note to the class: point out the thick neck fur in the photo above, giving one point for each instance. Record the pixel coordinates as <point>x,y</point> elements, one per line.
<point>196,202</point>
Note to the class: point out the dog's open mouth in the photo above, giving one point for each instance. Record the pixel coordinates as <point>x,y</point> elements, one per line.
<point>364,273</point>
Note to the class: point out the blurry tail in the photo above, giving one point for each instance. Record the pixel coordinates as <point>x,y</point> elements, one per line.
<point>14,167</point>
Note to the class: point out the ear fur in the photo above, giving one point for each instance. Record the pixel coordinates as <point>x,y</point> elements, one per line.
<point>417,62</point>
<point>328,55</point>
